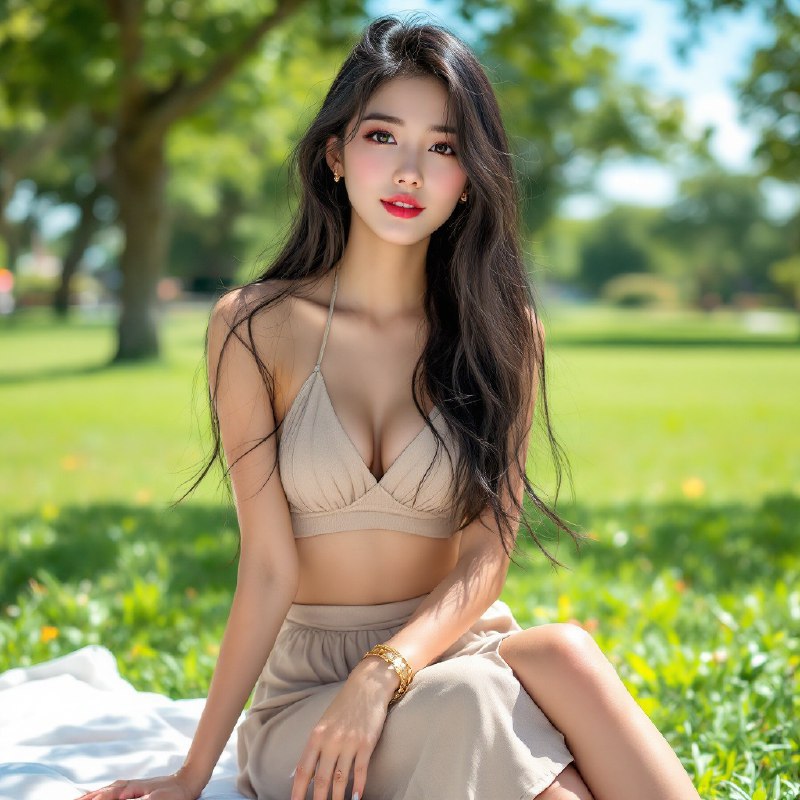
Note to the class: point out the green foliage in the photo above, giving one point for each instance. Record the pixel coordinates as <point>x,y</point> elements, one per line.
<point>770,90</point>
<point>613,247</point>
<point>557,84</point>
<point>153,587</point>
<point>554,67</point>
<point>771,94</point>
<point>720,225</point>
<point>228,190</point>
<point>786,273</point>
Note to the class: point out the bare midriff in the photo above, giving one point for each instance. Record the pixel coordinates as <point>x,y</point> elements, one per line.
<point>366,567</point>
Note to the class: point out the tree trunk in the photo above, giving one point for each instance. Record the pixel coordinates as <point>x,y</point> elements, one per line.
<point>140,188</point>
<point>87,224</point>
<point>145,117</point>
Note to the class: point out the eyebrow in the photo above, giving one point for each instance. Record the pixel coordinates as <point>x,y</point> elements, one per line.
<point>398,121</point>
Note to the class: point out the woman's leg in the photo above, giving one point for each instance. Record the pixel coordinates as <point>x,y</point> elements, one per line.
<point>567,786</point>
<point>619,752</point>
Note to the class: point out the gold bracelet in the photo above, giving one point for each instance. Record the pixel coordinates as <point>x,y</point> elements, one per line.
<point>398,663</point>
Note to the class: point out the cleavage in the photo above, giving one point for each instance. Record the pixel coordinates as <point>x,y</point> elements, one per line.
<point>408,439</point>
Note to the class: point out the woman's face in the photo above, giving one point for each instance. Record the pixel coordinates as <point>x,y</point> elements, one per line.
<point>405,155</point>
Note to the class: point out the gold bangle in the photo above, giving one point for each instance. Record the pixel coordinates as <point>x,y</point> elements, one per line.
<point>398,663</point>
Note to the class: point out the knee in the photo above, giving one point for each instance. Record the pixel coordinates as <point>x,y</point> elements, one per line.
<point>570,647</point>
<point>559,647</point>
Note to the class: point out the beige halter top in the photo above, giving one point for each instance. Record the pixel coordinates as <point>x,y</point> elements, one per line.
<point>329,486</point>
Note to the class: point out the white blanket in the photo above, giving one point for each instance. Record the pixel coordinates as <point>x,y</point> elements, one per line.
<point>73,724</point>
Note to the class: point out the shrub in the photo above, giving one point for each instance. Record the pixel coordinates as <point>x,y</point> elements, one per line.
<point>641,290</point>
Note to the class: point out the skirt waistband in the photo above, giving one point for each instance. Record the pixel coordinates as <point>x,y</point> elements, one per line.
<point>351,618</point>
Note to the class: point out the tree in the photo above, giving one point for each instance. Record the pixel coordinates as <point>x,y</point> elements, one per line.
<point>769,95</point>
<point>26,139</point>
<point>140,68</point>
<point>76,173</point>
<point>143,70</point>
<point>720,228</point>
<point>613,247</point>
<point>786,274</point>
<point>771,89</point>
<point>556,72</point>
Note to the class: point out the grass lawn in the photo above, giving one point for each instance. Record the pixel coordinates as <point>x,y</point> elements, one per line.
<point>683,438</point>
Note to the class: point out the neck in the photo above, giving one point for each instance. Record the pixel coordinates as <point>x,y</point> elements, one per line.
<point>379,279</point>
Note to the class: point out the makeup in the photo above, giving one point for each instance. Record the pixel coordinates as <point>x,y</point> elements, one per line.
<point>400,211</point>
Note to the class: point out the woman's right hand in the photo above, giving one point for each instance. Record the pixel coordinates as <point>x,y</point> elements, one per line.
<point>169,787</point>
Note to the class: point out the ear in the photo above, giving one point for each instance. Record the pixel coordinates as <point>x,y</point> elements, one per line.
<point>333,154</point>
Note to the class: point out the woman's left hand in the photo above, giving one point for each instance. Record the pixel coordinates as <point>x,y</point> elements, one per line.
<point>347,733</point>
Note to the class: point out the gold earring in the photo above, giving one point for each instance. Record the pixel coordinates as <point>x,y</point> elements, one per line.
<point>335,175</point>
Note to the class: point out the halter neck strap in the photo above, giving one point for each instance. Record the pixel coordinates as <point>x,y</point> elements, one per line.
<point>330,316</point>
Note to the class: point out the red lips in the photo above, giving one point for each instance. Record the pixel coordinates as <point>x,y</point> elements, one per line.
<point>400,211</point>
<point>403,198</point>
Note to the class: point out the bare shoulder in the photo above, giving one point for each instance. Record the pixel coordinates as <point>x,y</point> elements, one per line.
<point>255,315</point>
<point>268,301</point>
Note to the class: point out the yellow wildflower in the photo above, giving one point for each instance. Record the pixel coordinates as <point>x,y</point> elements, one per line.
<point>693,487</point>
<point>47,633</point>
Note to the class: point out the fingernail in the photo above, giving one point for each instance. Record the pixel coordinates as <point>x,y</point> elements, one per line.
<point>356,796</point>
<point>293,772</point>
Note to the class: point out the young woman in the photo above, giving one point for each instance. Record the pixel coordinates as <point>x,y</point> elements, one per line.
<point>374,546</point>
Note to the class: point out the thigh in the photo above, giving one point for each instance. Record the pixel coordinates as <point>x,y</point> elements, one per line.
<point>271,748</point>
<point>567,786</point>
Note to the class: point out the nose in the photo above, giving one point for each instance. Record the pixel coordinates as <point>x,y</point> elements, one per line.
<point>408,173</point>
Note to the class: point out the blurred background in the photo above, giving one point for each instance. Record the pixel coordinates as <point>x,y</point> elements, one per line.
<point>143,148</point>
<point>657,145</point>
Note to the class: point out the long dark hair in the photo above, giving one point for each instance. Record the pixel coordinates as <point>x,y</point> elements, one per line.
<point>484,354</point>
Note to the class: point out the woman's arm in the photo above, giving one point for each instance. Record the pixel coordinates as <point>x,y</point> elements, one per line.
<point>256,614</point>
<point>453,605</point>
<point>268,570</point>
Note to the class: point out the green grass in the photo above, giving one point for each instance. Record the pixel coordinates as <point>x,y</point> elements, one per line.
<point>84,432</point>
<point>685,450</point>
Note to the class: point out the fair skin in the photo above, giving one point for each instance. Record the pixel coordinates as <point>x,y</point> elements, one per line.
<point>373,343</point>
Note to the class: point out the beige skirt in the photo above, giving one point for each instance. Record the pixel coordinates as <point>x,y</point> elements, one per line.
<point>466,728</point>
